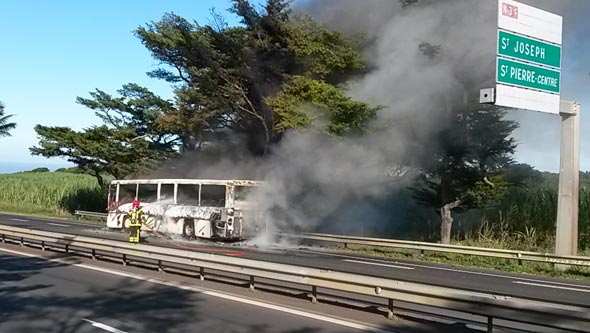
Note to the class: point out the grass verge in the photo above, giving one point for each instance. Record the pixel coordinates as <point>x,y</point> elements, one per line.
<point>462,260</point>
<point>29,210</point>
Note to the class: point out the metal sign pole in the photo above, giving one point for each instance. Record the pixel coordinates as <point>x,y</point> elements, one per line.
<point>566,238</point>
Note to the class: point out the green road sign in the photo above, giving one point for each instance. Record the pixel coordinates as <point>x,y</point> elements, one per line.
<point>520,47</point>
<point>529,76</point>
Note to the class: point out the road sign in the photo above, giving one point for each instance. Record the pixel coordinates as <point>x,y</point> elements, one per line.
<point>528,99</point>
<point>529,21</point>
<point>528,76</point>
<point>528,72</point>
<point>528,49</point>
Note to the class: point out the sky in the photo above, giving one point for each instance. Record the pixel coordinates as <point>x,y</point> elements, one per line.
<point>55,51</point>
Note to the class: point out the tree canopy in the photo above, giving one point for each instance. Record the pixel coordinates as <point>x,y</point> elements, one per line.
<point>231,76</point>
<point>129,141</point>
<point>5,125</point>
<point>255,79</point>
<point>469,149</point>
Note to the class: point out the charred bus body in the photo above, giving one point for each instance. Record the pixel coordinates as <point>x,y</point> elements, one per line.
<point>204,208</point>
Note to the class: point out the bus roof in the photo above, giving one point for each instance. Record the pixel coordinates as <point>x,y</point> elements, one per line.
<point>237,182</point>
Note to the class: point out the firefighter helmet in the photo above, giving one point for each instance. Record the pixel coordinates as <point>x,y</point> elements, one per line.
<point>135,203</point>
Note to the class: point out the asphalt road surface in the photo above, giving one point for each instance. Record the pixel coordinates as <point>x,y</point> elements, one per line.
<point>38,295</point>
<point>540,288</point>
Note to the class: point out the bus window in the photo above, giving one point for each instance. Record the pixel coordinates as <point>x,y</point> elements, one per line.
<point>127,193</point>
<point>241,193</point>
<point>167,193</point>
<point>112,197</point>
<point>213,195</point>
<point>148,193</point>
<point>188,194</point>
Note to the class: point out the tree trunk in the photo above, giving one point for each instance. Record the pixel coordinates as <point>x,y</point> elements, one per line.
<point>100,180</point>
<point>446,224</point>
<point>447,221</point>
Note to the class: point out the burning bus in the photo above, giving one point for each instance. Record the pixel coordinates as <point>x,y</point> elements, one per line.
<point>202,208</point>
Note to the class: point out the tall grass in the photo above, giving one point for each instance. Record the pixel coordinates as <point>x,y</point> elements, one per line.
<point>50,192</point>
<point>525,219</point>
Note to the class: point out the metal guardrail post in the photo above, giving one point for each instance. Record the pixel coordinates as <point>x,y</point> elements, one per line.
<point>490,325</point>
<point>390,314</point>
<point>3,238</point>
<point>314,294</point>
<point>251,288</point>
<point>160,267</point>
<point>93,254</point>
<point>42,245</point>
<point>202,273</point>
<point>124,259</point>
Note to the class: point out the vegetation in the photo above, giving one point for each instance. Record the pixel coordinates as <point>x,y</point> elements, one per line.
<point>281,70</point>
<point>248,79</point>
<point>53,193</point>
<point>463,168</point>
<point>129,142</point>
<point>5,126</point>
<point>507,265</point>
<point>501,236</point>
<point>40,170</point>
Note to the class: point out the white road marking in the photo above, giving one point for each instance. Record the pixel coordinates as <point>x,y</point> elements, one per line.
<point>377,264</point>
<point>103,326</point>
<point>71,223</point>
<point>451,269</point>
<point>218,294</point>
<point>68,222</point>
<point>59,225</point>
<point>550,286</point>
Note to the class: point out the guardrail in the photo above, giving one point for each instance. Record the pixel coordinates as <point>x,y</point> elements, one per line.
<point>458,249</point>
<point>514,309</point>
<point>81,213</point>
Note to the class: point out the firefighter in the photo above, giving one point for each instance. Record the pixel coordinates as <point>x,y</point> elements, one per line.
<point>135,218</point>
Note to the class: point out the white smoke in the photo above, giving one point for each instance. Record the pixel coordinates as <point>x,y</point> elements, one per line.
<point>343,185</point>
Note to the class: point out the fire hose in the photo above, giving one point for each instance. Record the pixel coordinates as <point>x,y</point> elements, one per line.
<point>191,248</point>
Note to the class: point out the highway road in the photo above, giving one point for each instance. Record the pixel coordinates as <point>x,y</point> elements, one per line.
<point>47,296</point>
<point>541,288</point>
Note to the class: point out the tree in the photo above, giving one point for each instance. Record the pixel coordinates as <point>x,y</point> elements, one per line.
<point>523,174</point>
<point>128,143</point>
<point>43,169</point>
<point>227,76</point>
<point>296,104</point>
<point>5,126</point>
<point>246,78</point>
<point>474,146</point>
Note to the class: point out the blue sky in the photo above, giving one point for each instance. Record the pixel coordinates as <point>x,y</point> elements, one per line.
<point>54,51</point>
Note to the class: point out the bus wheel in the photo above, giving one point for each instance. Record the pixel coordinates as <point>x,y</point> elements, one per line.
<point>125,225</point>
<point>188,229</point>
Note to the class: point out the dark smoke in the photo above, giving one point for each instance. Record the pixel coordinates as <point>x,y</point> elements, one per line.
<point>424,59</point>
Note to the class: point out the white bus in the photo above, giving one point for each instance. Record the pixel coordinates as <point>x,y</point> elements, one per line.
<point>203,208</point>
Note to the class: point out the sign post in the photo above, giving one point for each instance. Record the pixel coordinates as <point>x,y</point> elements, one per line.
<point>566,235</point>
<point>528,76</point>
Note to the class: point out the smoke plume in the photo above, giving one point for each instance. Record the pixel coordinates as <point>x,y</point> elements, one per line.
<point>424,59</point>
